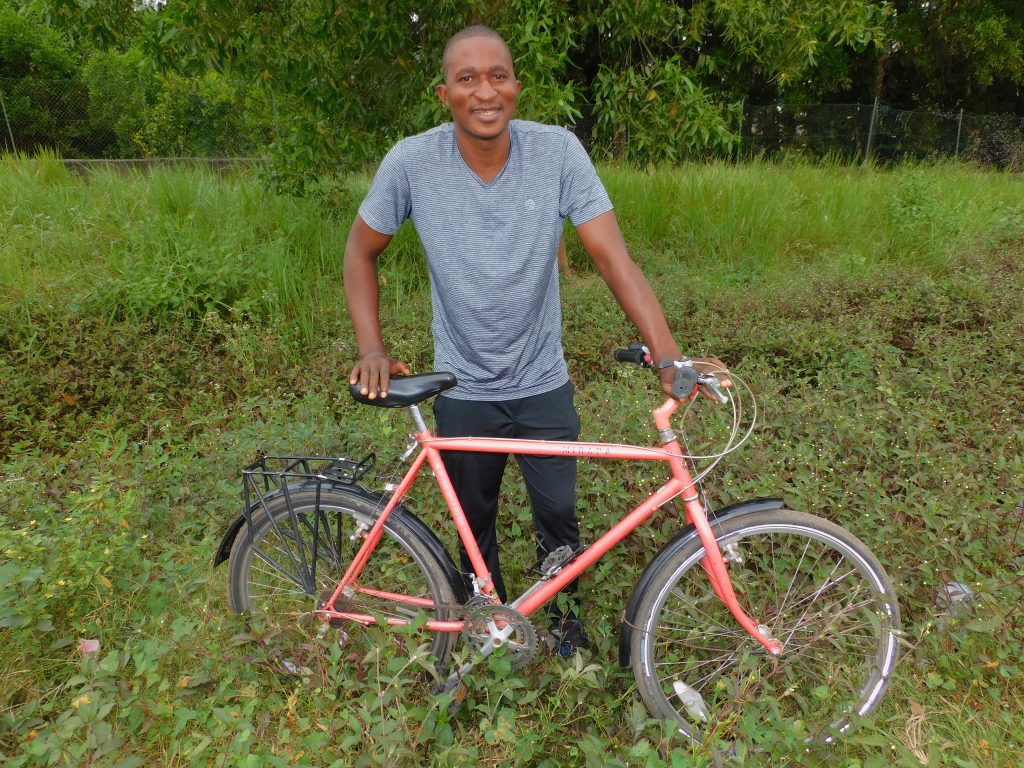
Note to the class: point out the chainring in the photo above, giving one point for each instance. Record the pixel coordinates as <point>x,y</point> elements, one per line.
<point>520,646</point>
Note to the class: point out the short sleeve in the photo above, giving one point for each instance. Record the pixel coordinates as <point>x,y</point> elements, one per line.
<point>388,203</point>
<point>582,196</point>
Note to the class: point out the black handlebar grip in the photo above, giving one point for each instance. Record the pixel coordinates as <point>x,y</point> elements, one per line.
<point>634,354</point>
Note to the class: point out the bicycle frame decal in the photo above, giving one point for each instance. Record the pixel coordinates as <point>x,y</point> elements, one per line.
<point>543,591</point>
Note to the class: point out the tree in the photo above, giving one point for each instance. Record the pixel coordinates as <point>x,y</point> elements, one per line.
<point>31,56</point>
<point>941,55</point>
<point>664,76</point>
<point>957,53</point>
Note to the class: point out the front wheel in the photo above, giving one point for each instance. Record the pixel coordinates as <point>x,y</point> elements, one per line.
<point>302,543</point>
<point>821,594</point>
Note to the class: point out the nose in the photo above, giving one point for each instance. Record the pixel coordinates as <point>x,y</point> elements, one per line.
<point>486,89</point>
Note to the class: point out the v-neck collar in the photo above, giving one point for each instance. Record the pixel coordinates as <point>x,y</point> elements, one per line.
<point>474,174</point>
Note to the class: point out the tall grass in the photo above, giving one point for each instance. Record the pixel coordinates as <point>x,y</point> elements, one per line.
<point>173,245</point>
<point>773,219</point>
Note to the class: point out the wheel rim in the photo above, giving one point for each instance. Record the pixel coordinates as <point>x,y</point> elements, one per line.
<point>816,595</point>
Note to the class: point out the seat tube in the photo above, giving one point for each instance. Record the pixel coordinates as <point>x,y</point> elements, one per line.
<point>483,576</point>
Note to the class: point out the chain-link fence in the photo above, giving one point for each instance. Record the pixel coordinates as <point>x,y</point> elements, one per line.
<point>881,134</point>
<point>114,114</point>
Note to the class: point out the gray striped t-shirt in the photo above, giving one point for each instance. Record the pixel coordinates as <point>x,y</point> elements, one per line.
<point>491,250</point>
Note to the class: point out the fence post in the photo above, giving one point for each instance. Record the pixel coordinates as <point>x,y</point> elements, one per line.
<point>871,132</point>
<point>739,141</point>
<point>14,147</point>
<point>959,127</point>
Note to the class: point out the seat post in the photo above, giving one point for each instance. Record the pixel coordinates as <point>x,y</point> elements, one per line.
<point>417,418</point>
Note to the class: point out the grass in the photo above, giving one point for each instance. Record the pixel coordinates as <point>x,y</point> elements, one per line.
<point>157,330</point>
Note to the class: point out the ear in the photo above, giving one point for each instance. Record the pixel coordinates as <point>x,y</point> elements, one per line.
<point>442,93</point>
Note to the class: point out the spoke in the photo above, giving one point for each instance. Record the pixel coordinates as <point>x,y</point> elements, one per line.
<point>780,606</point>
<point>280,569</point>
<point>806,576</point>
<point>828,583</point>
<point>688,604</point>
<point>730,661</point>
<point>846,630</point>
<point>280,589</point>
<point>738,632</point>
<point>827,586</point>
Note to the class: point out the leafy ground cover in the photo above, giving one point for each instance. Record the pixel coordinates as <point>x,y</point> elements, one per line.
<point>157,331</point>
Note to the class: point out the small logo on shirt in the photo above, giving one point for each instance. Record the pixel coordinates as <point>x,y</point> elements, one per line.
<point>530,204</point>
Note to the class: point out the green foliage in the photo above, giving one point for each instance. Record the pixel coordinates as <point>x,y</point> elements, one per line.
<point>28,48</point>
<point>659,115</point>
<point>886,364</point>
<point>30,54</point>
<point>329,88</point>
<point>966,53</point>
<point>117,97</point>
<point>656,73</point>
<point>787,39</point>
<point>205,116</point>
<point>107,23</point>
<point>106,103</point>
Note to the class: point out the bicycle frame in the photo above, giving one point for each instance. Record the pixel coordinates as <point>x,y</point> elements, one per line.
<point>543,590</point>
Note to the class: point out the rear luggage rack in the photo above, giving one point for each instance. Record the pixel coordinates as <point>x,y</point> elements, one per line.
<point>270,475</point>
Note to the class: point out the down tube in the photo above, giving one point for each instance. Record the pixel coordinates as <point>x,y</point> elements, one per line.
<point>595,551</point>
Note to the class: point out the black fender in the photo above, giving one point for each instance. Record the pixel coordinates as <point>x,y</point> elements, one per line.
<point>400,512</point>
<point>670,548</point>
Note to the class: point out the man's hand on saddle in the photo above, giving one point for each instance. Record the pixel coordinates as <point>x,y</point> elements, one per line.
<point>705,365</point>
<point>373,372</point>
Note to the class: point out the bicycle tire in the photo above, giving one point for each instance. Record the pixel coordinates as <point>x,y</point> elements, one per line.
<point>269,577</point>
<point>821,593</point>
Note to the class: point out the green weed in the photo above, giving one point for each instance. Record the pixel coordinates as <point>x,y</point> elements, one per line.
<point>158,331</point>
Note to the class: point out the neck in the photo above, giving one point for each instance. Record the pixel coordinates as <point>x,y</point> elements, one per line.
<point>485,157</point>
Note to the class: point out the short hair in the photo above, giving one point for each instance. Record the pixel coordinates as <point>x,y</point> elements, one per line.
<point>476,30</point>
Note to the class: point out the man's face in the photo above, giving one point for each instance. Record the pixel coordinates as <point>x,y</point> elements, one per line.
<point>480,87</point>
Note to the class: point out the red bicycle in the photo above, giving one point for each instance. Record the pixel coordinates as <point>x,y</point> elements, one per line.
<point>748,602</point>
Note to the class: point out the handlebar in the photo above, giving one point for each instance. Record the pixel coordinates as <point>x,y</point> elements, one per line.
<point>687,377</point>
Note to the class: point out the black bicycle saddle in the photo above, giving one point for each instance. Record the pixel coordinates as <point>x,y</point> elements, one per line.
<point>404,391</point>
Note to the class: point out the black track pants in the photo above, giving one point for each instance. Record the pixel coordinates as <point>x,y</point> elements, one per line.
<point>550,480</point>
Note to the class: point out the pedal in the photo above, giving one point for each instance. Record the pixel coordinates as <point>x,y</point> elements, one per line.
<point>556,560</point>
<point>455,686</point>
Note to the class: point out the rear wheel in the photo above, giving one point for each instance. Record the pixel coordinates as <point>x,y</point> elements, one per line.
<point>295,558</point>
<point>819,591</point>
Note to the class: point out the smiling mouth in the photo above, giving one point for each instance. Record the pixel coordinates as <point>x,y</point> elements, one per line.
<point>487,111</point>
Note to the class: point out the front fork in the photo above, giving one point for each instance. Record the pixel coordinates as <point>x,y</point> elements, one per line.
<point>712,562</point>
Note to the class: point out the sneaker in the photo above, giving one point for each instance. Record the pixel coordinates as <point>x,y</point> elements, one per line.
<point>568,637</point>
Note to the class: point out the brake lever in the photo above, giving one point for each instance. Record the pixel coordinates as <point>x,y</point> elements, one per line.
<point>712,383</point>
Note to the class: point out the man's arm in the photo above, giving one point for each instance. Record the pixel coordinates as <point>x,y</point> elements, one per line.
<point>375,366</point>
<point>603,240</point>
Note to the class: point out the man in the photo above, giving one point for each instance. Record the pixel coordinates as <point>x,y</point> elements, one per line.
<point>489,196</point>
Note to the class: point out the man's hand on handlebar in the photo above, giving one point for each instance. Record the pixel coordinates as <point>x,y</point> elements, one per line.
<point>373,372</point>
<point>706,366</point>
